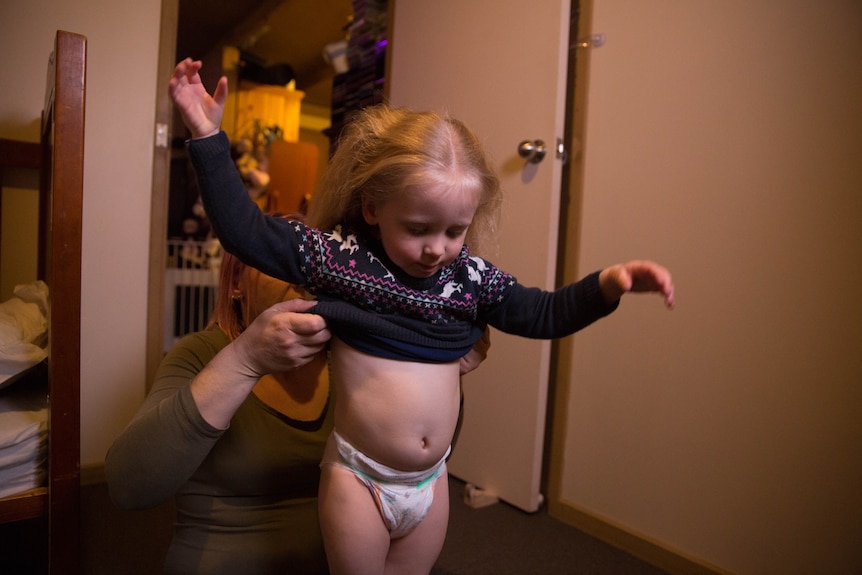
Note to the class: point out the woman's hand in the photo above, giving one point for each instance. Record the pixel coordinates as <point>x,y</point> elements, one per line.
<point>278,340</point>
<point>478,354</point>
<point>201,112</point>
<point>637,276</point>
<point>281,339</point>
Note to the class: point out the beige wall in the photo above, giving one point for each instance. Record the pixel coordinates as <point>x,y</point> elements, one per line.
<point>724,140</point>
<point>121,77</point>
<point>721,140</point>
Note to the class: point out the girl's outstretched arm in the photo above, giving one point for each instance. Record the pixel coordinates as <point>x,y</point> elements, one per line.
<point>201,112</point>
<point>637,276</point>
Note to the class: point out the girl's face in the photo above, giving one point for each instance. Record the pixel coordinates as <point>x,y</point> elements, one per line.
<point>423,228</point>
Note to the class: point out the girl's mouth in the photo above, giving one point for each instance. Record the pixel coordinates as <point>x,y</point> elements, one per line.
<point>428,270</point>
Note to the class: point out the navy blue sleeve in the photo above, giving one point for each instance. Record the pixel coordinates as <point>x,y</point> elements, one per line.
<point>539,314</point>
<point>270,244</point>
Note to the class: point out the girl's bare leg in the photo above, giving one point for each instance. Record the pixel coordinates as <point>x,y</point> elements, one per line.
<point>416,552</point>
<point>354,536</point>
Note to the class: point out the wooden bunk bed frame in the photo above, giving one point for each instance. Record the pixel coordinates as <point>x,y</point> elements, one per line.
<point>60,161</point>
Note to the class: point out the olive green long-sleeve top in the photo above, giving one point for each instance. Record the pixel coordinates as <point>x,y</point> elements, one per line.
<point>246,497</point>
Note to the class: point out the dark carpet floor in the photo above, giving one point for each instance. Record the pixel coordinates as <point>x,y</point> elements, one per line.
<point>503,540</point>
<point>499,540</point>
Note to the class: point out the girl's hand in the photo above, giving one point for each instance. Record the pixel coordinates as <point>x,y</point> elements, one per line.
<point>637,276</point>
<point>201,112</point>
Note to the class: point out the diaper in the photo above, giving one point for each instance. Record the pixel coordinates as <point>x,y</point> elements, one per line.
<point>403,497</point>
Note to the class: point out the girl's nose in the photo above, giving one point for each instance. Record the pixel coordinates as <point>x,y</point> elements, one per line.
<point>434,247</point>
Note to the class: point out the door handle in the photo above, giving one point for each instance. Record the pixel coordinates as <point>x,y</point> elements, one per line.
<point>534,152</point>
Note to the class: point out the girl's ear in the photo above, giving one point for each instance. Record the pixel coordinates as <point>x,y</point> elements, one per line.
<point>369,211</point>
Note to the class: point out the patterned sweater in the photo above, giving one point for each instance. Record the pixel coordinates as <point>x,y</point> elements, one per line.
<point>367,300</point>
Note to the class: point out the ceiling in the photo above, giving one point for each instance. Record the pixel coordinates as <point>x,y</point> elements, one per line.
<point>292,32</point>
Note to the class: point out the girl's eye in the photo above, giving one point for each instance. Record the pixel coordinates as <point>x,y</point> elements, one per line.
<point>415,231</point>
<point>456,232</point>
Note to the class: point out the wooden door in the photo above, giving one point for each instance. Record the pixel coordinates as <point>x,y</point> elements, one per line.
<point>501,68</point>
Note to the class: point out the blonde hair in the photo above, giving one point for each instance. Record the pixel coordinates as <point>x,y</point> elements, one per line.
<point>384,150</point>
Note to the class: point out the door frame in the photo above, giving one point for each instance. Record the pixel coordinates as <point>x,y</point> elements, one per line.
<point>160,190</point>
<point>567,254</point>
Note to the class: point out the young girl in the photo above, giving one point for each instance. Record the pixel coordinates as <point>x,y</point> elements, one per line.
<point>405,300</point>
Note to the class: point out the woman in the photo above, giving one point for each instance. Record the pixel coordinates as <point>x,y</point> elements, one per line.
<point>235,427</point>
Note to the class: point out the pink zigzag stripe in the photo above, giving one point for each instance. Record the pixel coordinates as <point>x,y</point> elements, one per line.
<point>385,284</point>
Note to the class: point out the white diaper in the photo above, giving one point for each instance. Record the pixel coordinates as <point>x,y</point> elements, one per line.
<point>403,497</point>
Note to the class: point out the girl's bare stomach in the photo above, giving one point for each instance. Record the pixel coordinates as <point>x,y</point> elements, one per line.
<point>399,413</point>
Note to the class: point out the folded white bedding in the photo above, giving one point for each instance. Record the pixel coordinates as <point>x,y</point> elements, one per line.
<point>23,438</point>
<point>23,330</point>
<point>22,478</point>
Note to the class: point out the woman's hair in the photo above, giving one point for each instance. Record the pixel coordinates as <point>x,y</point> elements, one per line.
<point>384,151</point>
<point>227,312</point>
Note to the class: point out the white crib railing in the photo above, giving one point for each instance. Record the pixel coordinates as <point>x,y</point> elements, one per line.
<point>191,279</point>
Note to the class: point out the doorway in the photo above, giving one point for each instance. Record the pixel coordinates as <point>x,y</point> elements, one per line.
<point>270,33</point>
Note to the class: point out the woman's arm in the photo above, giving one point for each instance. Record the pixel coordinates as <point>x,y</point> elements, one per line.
<point>199,385</point>
<point>167,439</point>
<point>277,341</point>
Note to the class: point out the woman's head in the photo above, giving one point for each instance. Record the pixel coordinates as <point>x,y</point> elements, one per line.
<point>244,292</point>
<point>386,152</point>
